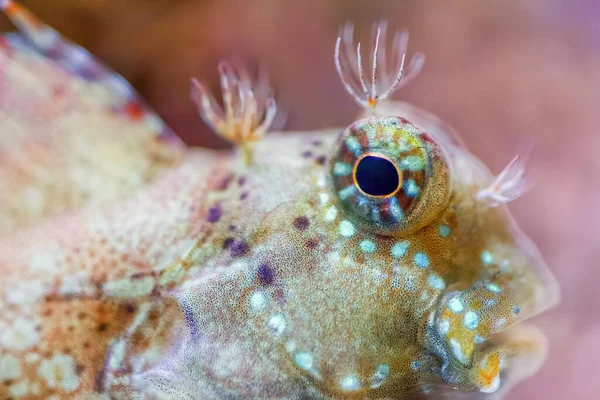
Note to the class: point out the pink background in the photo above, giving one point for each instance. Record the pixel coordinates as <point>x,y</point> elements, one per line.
<point>505,74</point>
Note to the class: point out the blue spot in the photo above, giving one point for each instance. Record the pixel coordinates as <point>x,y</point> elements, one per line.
<point>347,192</point>
<point>516,310</point>
<point>414,365</point>
<point>399,249</point>
<point>342,168</point>
<point>368,246</point>
<point>396,209</point>
<point>456,305</point>
<point>436,282</point>
<point>354,146</point>
<point>421,260</point>
<point>412,163</point>
<point>470,320</point>
<point>486,257</point>
<point>478,339</point>
<point>347,228</point>
<point>410,188</point>
<point>492,287</point>
<point>444,230</point>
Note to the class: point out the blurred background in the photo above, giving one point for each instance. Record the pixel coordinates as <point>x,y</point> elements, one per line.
<point>505,74</point>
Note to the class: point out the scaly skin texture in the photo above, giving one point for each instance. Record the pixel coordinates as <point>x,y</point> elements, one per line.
<point>186,273</point>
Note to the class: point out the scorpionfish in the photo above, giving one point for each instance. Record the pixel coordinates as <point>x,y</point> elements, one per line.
<point>375,261</point>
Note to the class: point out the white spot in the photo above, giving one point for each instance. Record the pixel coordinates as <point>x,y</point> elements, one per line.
<point>380,375</point>
<point>486,257</point>
<point>304,361</point>
<point>368,246</point>
<point>258,301</point>
<point>350,383</point>
<point>470,320</point>
<point>117,354</point>
<point>436,282</point>
<point>330,214</point>
<point>347,192</point>
<point>457,350</point>
<point>59,372</point>
<point>494,385</point>
<point>399,249</point>
<point>456,305</point>
<point>444,327</point>
<point>43,262</point>
<point>20,388</point>
<point>421,260</point>
<point>290,346</point>
<point>20,336</point>
<point>347,228</point>
<point>276,324</point>
<point>71,284</point>
<point>130,287</point>
<point>32,358</point>
<point>10,367</point>
<point>25,293</point>
<point>342,168</point>
<point>34,388</point>
<point>493,287</point>
<point>323,198</point>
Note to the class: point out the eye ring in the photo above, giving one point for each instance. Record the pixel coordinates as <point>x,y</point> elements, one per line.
<point>380,156</point>
<point>388,176</point>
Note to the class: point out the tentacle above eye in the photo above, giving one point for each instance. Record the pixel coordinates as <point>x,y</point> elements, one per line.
<point>350,67</point>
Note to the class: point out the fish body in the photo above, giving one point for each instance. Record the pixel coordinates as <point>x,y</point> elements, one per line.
<point>133,267</point>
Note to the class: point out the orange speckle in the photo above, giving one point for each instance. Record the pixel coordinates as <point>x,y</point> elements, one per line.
<point>133,110</point>
<point>491,369</point>
<point>11,8</point>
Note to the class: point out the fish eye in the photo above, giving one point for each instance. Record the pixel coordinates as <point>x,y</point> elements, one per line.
<point>389,176</point>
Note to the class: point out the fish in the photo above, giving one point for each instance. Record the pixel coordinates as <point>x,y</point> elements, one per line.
<point>372,261</point>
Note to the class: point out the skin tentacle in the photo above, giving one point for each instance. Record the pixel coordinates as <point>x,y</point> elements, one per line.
<point>250,109</point>
<point>350,69</point>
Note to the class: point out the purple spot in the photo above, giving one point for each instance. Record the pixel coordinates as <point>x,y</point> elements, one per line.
<point>266,274</point>
<point>307,154</point>
<point>232,228</point>
<point>228,242</point>
<point>187,310</point>
<point>239,248</point>
<point>241,180</point>
<point>316,142</point>
<point>321,160</point>
<point>243,195</point>
<point>301,223</point>
<point>214,214</point>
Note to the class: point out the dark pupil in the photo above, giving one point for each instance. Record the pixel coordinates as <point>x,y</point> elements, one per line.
<point>377,176</point>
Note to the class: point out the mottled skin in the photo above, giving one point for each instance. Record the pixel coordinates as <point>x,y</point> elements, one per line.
<point>192,274</point>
